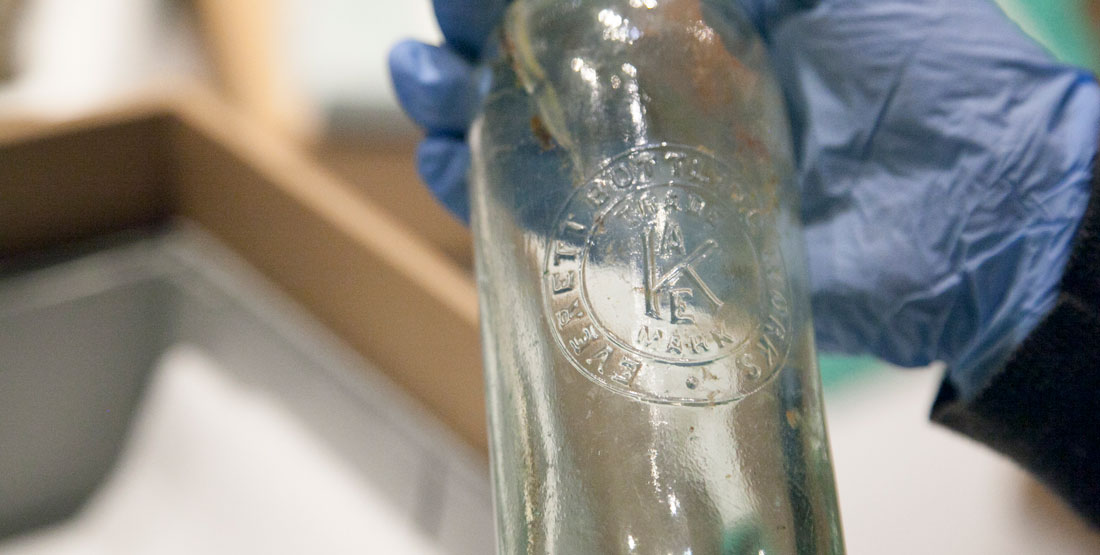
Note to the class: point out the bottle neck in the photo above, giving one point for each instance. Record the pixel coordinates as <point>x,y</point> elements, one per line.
<point>610,75</point>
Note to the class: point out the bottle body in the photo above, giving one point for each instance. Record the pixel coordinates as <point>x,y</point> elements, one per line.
<point>651,375</point>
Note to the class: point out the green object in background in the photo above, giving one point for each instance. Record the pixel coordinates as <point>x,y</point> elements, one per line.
<point>1070,29</point>
<point>840,370</point>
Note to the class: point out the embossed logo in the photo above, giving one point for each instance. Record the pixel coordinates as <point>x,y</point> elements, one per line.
<point>660,282</point>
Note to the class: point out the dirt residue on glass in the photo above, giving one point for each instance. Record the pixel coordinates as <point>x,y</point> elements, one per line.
<point>546,141</point>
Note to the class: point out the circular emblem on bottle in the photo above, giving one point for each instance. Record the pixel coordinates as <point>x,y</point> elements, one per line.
<point>663,280</point>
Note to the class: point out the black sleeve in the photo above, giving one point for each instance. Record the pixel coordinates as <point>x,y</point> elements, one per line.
<point>1042,408</point>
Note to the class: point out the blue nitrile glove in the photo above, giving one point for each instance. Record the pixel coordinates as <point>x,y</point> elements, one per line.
<point>944,160</point>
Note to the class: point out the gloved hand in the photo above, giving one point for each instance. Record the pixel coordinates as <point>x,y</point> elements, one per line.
<point>944,160</point>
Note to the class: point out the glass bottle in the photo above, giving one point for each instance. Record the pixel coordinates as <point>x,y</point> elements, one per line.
<point>651,374</point>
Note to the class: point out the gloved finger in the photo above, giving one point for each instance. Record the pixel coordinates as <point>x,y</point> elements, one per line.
<point>466,24</point>
<point>443,163</point>
<point>436,86</point>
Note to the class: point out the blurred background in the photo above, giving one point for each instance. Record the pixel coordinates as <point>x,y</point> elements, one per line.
<point>247,425</point>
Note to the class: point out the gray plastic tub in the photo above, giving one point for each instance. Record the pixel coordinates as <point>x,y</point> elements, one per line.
<point>81,330</point>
